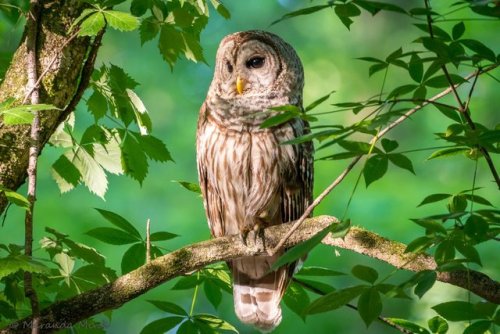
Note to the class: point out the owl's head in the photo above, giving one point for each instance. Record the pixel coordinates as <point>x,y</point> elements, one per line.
<point>257,65</point>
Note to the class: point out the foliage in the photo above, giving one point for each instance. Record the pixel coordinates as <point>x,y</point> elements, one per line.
<point>119,141</point>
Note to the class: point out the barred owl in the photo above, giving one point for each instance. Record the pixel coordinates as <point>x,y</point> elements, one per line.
<point>249,180</point>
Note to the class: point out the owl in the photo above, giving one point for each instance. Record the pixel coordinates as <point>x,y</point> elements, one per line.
<point>248,178</point>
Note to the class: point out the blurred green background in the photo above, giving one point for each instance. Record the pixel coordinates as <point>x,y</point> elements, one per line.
<point>328,51</point>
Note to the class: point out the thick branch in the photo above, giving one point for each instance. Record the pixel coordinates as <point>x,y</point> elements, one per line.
<point>198,255</point>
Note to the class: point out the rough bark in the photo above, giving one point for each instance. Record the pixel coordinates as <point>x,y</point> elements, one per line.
<point>68,312</point>
<point>57,87</point>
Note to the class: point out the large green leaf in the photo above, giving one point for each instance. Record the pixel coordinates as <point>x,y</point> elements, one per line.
<point>212,292</point>
<point>120,222</point>
<point>112,236</point>
<point>133,258</point>
<point>375,168</point>
<point>168,307</point>
<point>214,323</point>
<point>369,305</point>
<point>457,311</point>
<point>121,20</point>
<point>296,299</point>
<point>408,325</point>
<point>91,25</point>
<point>12,264</point>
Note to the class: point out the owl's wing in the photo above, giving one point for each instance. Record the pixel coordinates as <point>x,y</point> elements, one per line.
<point>211,198</point>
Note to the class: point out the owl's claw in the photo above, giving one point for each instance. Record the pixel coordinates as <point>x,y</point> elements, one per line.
<point>243,237</point>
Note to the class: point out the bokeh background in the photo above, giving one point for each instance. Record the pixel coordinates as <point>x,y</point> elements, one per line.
<point>328,51</point>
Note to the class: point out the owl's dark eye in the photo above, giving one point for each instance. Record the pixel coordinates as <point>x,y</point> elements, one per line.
<point>229,67</point>
<point>255,62</point>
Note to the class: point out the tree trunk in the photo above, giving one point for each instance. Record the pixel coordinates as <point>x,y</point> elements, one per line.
<point>57,87</point>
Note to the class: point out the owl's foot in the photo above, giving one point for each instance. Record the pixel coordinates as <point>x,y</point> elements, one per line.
<point>257,232</point>
<point>243,237</point>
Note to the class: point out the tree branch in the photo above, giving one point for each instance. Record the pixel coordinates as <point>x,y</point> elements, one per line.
<point>196,256</point>
<point>355,160</point>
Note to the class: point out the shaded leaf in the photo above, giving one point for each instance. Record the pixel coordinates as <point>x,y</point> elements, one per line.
<point>389,145</point>
<point>365,273</point>
<point>426,282</point>
<point>408,325</point>
<point>416,68</point>
<point>402,161</point>
<point>318,271</point>
<point>441,81</point>
<point>133,258</point>
<point>303,11</point>
<point>456,311</point>
<point>296,299</point>
<point>375,167</point>
<point>434,198</point>
<point>112,236</point>
<point>168,307</point>
<point>369,305</point>
<point>13,263</point>
<point>212,292</point>
<point>120,20</point>
<point>335,299</point>
<point>161,325</point>
<point>458,30</point>
<point>438,325</point>
<point>161,236</point>
<point>214,322</point>
<point>478,327</point>
<point>194,187</point>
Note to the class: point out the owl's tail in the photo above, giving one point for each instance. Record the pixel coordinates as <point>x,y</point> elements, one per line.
<point>257,293</point>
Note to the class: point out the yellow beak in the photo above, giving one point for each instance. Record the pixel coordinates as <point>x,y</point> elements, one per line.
<point>240,85</point>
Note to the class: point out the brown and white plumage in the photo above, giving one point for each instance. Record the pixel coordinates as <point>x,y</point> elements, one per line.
<point>248,180</point>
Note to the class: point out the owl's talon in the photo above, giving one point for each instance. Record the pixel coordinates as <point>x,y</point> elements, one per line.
<point>243,237</point>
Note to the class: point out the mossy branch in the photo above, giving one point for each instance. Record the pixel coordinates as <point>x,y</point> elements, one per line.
<point>196,256</point>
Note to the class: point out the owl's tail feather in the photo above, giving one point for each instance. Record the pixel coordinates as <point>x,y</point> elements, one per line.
<point>257,295</point>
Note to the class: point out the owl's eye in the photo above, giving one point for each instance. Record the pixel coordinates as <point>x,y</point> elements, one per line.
<point>229,67</point>
<point>255,62</point>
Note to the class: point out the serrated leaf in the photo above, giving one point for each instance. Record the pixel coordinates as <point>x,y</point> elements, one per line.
<point>154,148</point>
<point>375,167</point>
<point>13,263</point>
<point>120,20</point>
<point>318,271</point>
<point>456,311</point>
<point>149,29</point>
<point>112,236</point>
<point>365,273</point>
<point>22,114</point>
<point>161,236</point>
<point>168,307</point>
<point>66,170</point>
<point>438,325</point>
<point>296,299</point>
<point>447,152</point>
<point>214,322</point>
<point>134,160</point>
<point>170,44</point>
<point>141,114</point>
<point>108,155</point>
<point>434,198</point>
<point>139,7</point>
<point>92,24</point>
<point>408,325</point>
<point>133,258</point>
<point>402,161</point>
<point>120,222</point>
<point>301,249</point>
<point>334,300</point>
<point>93,175</point>
<point>161,325</point>
<point>194,187</point>
<point>66,264</point>
<point>369,305</point>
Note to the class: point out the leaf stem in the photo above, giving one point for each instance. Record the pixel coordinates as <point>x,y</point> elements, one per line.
<point>195,294</point>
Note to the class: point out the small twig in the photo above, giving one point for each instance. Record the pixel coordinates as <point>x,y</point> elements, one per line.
<point>148,241</point>
<point>31,46</point>
<point>47,69</point>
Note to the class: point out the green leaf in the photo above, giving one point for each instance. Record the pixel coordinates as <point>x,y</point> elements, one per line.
<point>13,263</point>
<point>288,112</point>
<point>93,175</point>
<point>296,299</point>
<point>434,198</point>
<point>120,222</point>
<point>335,299</point>
<point>319,101</point>
<point>476,227</point>
<point>139,7</point>
<point>457,203</point>
<point>426,282</point>
<point>369,305</point>
<point>15,198</point>
<point>214,322</point>
<point>22,114</point>
<point>479,48</point>
<point>458,30</point>
<point>133,258</point>
<point>188,282</point>
<point>301,249</point>
<point>441,81</point>
<point>97,105</point>
<point>92,24</point>
<point>161,236</point>
<point>161,325</point>
<point>66,264</point>
<point>445,252</point>
<point>168,307</point>
<point>219,7</point>
<point>345,12</point>
<point>7,311</point>
<point>112,236</point>
<point>154,148</point>
<point>375,167</point>
<point>194,187</point>
<point>449,112</point>
<point>401,90</point>
<point>318,271</point>
<point>141,113</point>
<point>416,68</point>
<point>120,20</point>
<point>149,29</point>
<point>431,225</point>
<point>171,44</point>
<point>377,68</point>
<point>477,199</point>
<point>316,287</point>
<point>447,152</point>
<point>469,251</point>
<point>365,273</point>
<point>478,327</point>
<point>374,7</point>
<point>402,161</point>
<point>438,325</point>
<point>457,311</point>
<point>389,145</point>
<point>134,160</point>
<point>303,11</point>
<point>408,325</point>
<point>212,292</point>
<point>418,245</point>
<point>66,170</point>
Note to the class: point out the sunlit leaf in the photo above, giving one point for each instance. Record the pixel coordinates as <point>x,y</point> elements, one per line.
<point>15,198</point>
<point>92,24</point>
<point>318,271</point>
<point>194,187</point>
<point>120,20</point>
